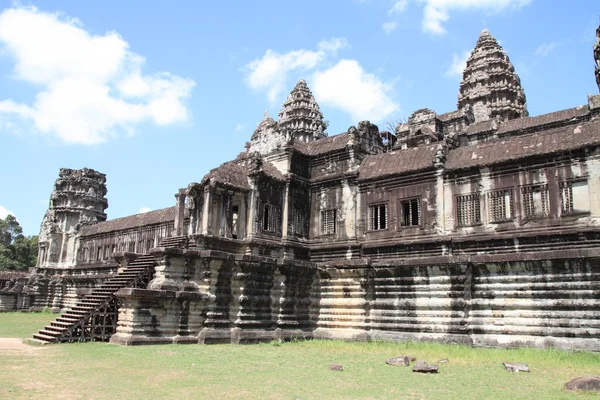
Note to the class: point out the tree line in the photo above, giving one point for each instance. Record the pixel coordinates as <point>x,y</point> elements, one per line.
<point>17,251</point>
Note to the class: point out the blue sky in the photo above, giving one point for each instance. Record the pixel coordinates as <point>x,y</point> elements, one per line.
<point>154,95</point>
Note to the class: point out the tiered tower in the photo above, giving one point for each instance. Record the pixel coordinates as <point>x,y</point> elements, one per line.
<point>300,117</point>
<point>78,199</point>
<point>490,86</point>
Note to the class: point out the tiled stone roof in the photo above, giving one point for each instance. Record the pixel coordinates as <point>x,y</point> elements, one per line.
<point>397,162</point>
<point>540,120</point>
<point>323,146</point>
<point>230,174</point>
<point>133,221</point>
<point>550,141</point>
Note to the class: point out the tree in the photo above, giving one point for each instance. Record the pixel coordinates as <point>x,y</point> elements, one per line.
<point>17,251</point>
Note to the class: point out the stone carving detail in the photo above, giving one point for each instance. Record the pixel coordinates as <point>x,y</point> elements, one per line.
<point>597,57</point>
<point>490,85</point>
<point>300,117</point>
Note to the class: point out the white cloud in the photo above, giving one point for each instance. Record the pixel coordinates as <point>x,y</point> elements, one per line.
<point>270,72</point>
<point>389,27</point>
<point>545,49</point>
<point>144,210</point>
<point>4,212</point>
<point>459,63</point>
<point>349,87</point>
<point>90,86</point>
<point>398,7</point>
<point>436,12</point>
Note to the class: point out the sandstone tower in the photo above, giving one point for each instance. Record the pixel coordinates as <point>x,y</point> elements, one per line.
<point>300,116</point>
<point>78,199</point>
<point>300,119</point>
<point>490,87</point>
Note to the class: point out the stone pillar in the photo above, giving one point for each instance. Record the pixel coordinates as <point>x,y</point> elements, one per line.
<point>284,217</point>
<point>252,215</point>
<point>206,229</point>
<point>228,212</point>
<point>180,204</point>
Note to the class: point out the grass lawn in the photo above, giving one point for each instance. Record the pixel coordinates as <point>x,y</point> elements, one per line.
<point>298,370</point>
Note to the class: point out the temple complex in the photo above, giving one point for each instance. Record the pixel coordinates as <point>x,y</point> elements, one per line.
<point>478,226</point>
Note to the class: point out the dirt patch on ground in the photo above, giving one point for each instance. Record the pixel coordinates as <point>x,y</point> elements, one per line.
<point>16,344</point>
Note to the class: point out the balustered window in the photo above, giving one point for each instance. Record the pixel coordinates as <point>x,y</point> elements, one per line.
<point>378,217</point>
<point>299,227</point>
<point>535,201</point>
<point>468,209</point>
<point>410,212</point>
<point>328,218</point>
<point>500,205</point>
<point>574,197</point>
<point>271,218</point>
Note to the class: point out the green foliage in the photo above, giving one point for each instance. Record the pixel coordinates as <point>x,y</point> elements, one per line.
<point>17,251</point>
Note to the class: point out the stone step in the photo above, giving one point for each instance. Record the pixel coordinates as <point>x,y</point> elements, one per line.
<point>52,328</point>
<point>43,337</point>
<point>61,322</point>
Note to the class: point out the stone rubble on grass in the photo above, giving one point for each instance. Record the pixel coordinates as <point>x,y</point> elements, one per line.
<point>588,383</point>
<point>400,361</point>
<point>423,367</point>
<point>516,367</point>
<point>336,367</point>
<point>443,360</point>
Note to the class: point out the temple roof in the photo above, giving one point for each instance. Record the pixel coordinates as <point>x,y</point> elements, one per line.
<point>132,221</point>
<point>230,173</point>
<point>397,162</point>
<point>301,115</point>
<point>565,138</point>
<point>490,86</point>
<point>322,146</point>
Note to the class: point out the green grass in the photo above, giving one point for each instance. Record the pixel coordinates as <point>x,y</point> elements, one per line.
<point>297,370</point>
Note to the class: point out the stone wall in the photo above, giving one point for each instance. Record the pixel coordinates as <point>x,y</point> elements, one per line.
<point>544,300</point>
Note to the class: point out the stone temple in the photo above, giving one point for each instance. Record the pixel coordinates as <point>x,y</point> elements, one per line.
<point>478,226</point>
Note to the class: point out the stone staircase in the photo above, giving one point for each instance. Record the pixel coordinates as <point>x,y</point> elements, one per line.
<point>94,317</point>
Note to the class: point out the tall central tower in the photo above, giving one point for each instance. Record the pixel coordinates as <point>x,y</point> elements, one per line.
<point>300,116</point>
<point>490,85</point>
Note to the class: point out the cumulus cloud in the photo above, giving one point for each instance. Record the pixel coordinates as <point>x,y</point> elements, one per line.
<point>389,27</point>
<point>545,49</point>
<point>436,12</point>
<point>144,210</point>
<point>349,87</point>
<point>270,72</point>
<point>91,87</point>
<point>4,212</point>
<point>459,63</point>
<point>398,7</point>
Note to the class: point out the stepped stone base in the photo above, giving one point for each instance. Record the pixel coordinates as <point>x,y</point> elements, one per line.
<point>212,297</point>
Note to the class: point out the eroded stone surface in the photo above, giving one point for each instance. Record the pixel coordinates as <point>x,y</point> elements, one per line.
<point>403,361</point>
<point>516,367</point>
<point>423,367</point>
<point>587,383</point>
<point>336,367</point>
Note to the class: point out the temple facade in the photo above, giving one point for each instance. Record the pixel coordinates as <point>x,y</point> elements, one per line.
<point>477,226</point>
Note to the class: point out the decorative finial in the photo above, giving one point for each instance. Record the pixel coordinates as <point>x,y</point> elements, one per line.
<point>266,114</point>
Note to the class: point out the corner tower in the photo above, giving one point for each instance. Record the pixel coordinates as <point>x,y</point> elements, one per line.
<point>78,199</point>
<point>490,86</point>
<point>300,117</point>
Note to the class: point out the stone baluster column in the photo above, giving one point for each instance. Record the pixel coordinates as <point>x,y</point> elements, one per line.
<point>252,214</point>
<point>228,210</point>
<point>284,217</point>
<point>206,228</point>
<point>180,204</point>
